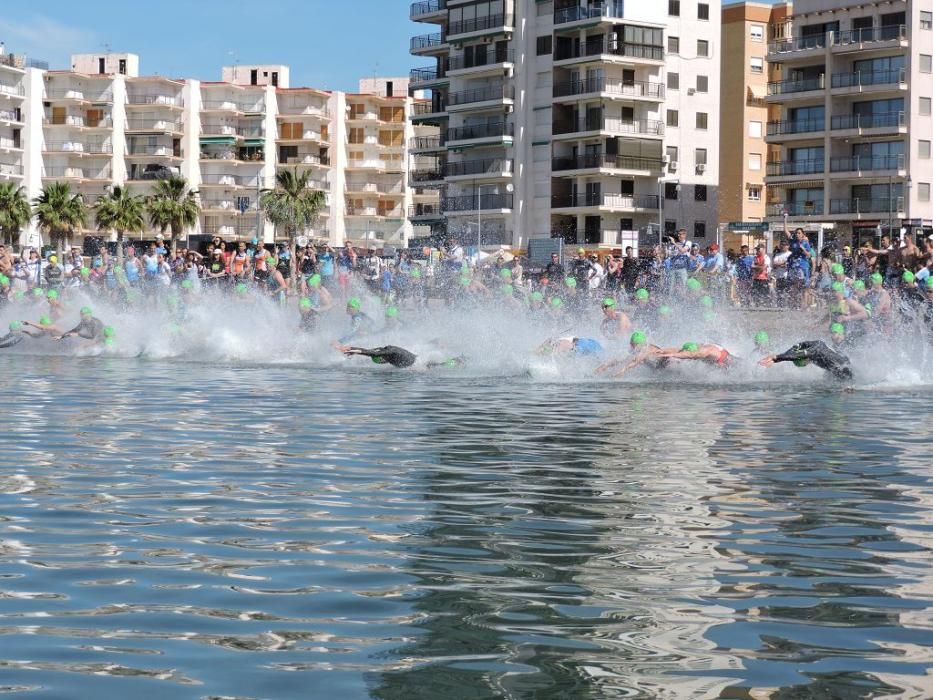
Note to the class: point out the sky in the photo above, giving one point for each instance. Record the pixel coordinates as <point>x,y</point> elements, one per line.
<point>327,44</point>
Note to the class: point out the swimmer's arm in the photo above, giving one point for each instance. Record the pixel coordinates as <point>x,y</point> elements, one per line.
<point>633,364</point>
<point>327,301</point>
<point>857,312</point>
<point>681,354</point>
<point>606,366</point>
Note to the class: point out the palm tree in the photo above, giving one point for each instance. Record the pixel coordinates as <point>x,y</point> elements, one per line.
<point>173,207</point>
<point>15,209</point>
<point>121,211</point>
<point>292,205</point>
<point>59,212</point>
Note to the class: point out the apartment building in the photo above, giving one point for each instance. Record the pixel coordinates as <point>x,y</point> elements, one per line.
<point>744,113</point>
<point>100,124</point>
<point>588,120</point>
<point>850,143</point>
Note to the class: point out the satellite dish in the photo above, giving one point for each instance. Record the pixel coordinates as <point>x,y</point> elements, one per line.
<point>302,241</point>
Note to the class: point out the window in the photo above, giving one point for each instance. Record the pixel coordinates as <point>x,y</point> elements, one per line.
<point>926,20</point>
<point>673,8</point>
<point>754,161</point>
<point>670,190</point>
<point>673,117</point>
<point>703,10</point>
<point>672,153</point>
<point>754,193</point>
<point>757,32</point>
<point>673,81</point>
<point>924,149</point>
<point>699,229</point>
<point>702,83</point>
<point>699,193</point>
<point>702,120</point>
<point>754,130</point>
<point>923,191</point>
<point>702,47</point>
<point>544,45</point>
<point>699,156</point>
<point>673,44</point>
<point>757,65</point>
<point>926,63</point>
<point>926,106</point>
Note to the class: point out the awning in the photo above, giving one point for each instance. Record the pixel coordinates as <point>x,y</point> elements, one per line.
<point>757,92</point>
<point>254,142</point>
<point>224,140</point>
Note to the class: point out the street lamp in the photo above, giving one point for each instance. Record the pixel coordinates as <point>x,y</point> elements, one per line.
<point>479,216</point>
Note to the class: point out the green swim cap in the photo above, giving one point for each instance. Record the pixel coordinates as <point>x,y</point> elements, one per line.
<point>416,273</point>
<point>838,287</point>
<point>837,269</point>
<point>85,272</point>
<point>608,302</point>
<point>304,303</point>
<point>876,278</point>
<point>690,347</point>
<point>314,280</point>
<point>45,321</point>
<point>392,312</point>
<point>570,282</point>
<point>354,303</point>
<point>802,362</point>
<point>707,301</point>
<point>557,302</point>
<point>641,294</point>
<point>187,284</point>
<point>450,363</point>
<point>109,331</point>
<point>837,329</point>
<point>537,296</point>
<point>638,338</point>
<point>38,292</point>
<point>465,281</point>
<point>694,284</point>
<point>858,286</point>
<point>908,277</point>
<point>507,290</point>
<point>20,295</point>
<point>108,342</point>
<point>666,311</point>
<point>241,288</point>
<point>16,325</point>
<point>4,280</point>
<point>762,338</point>
<point>52,294</point>
<point>505,273</point>
<point>86,311</point>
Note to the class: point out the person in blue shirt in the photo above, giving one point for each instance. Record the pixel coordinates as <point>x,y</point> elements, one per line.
<point>325,263</point>
<point>799,264</point>
<point>743,275</point>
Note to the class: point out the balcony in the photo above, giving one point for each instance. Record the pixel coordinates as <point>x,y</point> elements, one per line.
<point>152,151</point>
<point>228,180</point>
<point>871,38</point>
<point>796,126</point>
<point>427,143</point>
<point>69,173</point>
<point>883,205</point>
<point>232,106</point>
<point>153,125</point>
<point>492,58</point>
<point>77,148</point>
<point>787,87</point>
<point>79,122</point>
<point>480,168</point>
<point>430,111</point>
<point>496,130</point>
<point>635,88</point>
<point>814,208</point>
<point>429,174</point>
<point>614,202</point>
<point>601,161</point>
<point>611,10</point>
<point>492,93</point>
<point>419,11</point>
<point>476,202</point>
<point>857,82</point>
<point>13,90</point>
<point>155,101</point>
<point>11,170</point>
<point>77,95</point>
<point>309,159</point>
<point>856,165</point>
<point>601,46</point>
<point>610,125</point>
<point>497,22</point>
<point>425,212</point>
<point>420,76</point>
<point>885,121</point>
<point>11,115</point>
<point>793,168</point>
<point>11,144</point>
<point>427,43</point>
<point>798,44</point>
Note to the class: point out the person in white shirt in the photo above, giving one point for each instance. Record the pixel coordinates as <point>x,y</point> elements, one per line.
<point>779,267</point>
<point>596,274</point>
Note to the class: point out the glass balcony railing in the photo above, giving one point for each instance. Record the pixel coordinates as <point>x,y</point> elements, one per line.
<point>871,205</point>
<point>867,163</point>
<point>595,199</point>
<point>884,120</point>
<point>795,126</point>
<point>785,87</point>
<point>609,10</point>
<point>861,78</point>
<point>426,7</point>
<point>810,208</point>
<point>601,160</point>
<point>871,35</point>
<point>480,131</point>
<point>484,94</point>
<point>786,168</point>
<point>634,88</point>
<point>477,202</point>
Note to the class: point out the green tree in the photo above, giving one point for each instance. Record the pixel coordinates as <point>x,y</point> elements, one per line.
<point>59,212</point>
<point>15,210</point>
<point>293,205</point>
<point>123,212</point>
<point>173,207</point>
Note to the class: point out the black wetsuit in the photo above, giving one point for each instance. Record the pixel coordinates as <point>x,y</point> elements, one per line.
<point>15,338</point>
<point>90,329</point>
<point>391,354</point>
<point>820,354</point>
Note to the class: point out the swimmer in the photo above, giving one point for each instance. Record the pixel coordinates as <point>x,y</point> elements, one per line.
<point>614,321</point>
<point>89,328</point>
<point>17,334</point>
<point>45,326</point>
<point>711,353</point>
<point>388,354</point>
<point>568,344</point>
<point>644,353</point>
<point>360,323</point>
<point>817,352</point>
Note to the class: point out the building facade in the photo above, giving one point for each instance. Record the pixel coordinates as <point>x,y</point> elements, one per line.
<point>850,143</point>
<point>588,120</point>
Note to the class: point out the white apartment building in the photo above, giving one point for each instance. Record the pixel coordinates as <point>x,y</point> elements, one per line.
<point>101,124</point>
<point>853,85</point>
<point>554,116</point>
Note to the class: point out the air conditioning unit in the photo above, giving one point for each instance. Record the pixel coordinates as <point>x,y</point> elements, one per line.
<point>672,166</point>
<point>691,91</point>
<point>701,169</point>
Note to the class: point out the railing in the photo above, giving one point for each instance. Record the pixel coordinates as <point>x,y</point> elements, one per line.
<point>492,92</point>
<point>479,24</point>
<point>480,131</point>
<point>305,159</point>
<point>602,160</point>
<point>424,75</point>
<point>12,60</point>
<point>575,14</point>
<point>491,56</point>
<point>602,45</point>
<point>228,180</point>
<point>635,88</point>
<point>10,143</point>
<point>231,106</point>
<point>161,125</point>
<point>799,43</point>
<point>218,129</point>
<point>795,126</point>
<point>77,173</point>
<point>885,120</point>
<point>11,169</point>
<point>77,147</point>
<point>785,168</point>
<point>11,115</point>
<point>422,108</point>
<point>878,77</point>
<point>12,89</point>
<point>73,94</point>
<point>155,100</point>
<point>866,206</point>
<point>616,201</point>
<point>70,120</point>
<point>426,7</point>
<point>814,208</point>
<point>866,163</point>
<point>147,150</point>
<point>426,143</point>
<point>427,41</point>
<point>479,167</point>
<point>476,202</point>
<point>427,174</point>
<point>425,211</point>
<point>650,127</point>
<point>785,87</point>
<point>871,35</point>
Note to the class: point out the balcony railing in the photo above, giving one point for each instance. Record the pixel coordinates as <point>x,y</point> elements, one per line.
<point>870,35</point>
<point>615,125</point>
<point>424,75</point>
<point>433,174</point>
<point>795,126</point>
<point>305,159</point>
<point>427,41</point>
<point>480,131</point>
<point>12,89</point>
<point>481,166</point>
<point>11,169</point>
<point>76,173</point>
<point>485,94</point>
<point>153,124</point>
<point>70,120</point>
<point>785,87</point>
<point>229,180</point>
<point>425,211</point>
<point>596,199</point>
<point>426,143</point>
<point>490,56</point>
<point>11,115</point>
<point>77,147</point>
<point>885,120</point>
<point>434,107</point>
<point>477,202</point>
<point>867,163</point>
<point>878,77</point>
<point>479,24</point>
<point>602,45</point>
<point>601,160</point>
<point>72,94</point>
<point>575,14</point>
<point>147,150</point>
<point>799,43</point>
<point>426,7</point>
<point>232,106</point>
<point>155,100</point>
<point>635,88</point>
<point>787,168</point>
<point>814,208</point>
<point>866,206</point>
